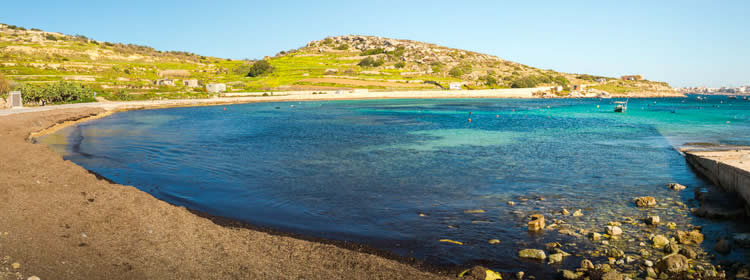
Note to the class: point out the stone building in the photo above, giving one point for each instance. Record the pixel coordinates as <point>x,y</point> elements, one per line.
<point>216,87</point>
<point>190,83</point>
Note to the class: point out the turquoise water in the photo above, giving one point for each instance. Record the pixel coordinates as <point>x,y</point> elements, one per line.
<point>364,171</point>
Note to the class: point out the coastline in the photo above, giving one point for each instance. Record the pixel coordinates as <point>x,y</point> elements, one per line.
<point>63,222</point>
<point>351,260</point>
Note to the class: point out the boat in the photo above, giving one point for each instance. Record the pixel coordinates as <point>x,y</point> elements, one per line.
<point>744,98</point>
<point>732,97</point>
<point>621,106</point>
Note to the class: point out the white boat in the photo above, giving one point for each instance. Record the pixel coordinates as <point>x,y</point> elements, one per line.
<point>621,106</point>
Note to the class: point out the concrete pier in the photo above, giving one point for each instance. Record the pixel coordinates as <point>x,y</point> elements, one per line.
<point>727,167</point>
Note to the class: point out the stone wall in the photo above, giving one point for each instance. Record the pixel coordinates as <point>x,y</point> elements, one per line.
<point>726,169</point>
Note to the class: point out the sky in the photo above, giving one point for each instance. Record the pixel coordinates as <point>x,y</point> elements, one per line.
<point>685,43</point>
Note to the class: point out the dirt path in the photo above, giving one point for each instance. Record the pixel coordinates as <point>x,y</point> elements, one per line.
<point>64,223</point>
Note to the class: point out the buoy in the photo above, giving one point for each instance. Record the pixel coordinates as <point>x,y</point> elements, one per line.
<point>469,119</point>
<point>497,116</point>
<point>597,106</point>
<point>225,108</point>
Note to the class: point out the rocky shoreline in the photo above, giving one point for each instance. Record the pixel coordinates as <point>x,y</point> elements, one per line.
<point>62,222</point>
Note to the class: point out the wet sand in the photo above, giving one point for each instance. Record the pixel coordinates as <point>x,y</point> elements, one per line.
<point>63,222</point>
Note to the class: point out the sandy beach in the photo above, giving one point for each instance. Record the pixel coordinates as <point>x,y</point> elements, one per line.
<point>60,221</point>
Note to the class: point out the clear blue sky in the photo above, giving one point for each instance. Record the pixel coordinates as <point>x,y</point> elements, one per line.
<point>681,42</point>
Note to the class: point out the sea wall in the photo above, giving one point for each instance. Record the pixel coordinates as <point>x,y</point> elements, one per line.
<point>728,169</point>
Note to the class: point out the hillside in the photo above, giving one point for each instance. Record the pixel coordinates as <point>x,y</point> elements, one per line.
<point>124,71</point>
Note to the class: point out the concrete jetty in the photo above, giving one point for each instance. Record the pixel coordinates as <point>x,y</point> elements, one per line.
<point>727,167</point>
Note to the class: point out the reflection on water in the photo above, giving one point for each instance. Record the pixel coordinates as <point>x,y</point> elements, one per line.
<point>365,170</point>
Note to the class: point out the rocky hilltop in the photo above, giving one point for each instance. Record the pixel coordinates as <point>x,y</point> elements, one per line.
<point>118,71</point>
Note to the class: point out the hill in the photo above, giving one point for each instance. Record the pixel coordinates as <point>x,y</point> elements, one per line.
<point>119,71</point>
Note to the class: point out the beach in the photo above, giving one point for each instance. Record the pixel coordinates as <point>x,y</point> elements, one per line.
<point>60,221</point>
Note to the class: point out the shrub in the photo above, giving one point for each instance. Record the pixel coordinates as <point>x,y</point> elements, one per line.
<point>436,67</point>
<point>399,52</point>
<point>459,70</point>
<point>50,37</point>
<point>260,68</point>
<point>121,95</point>
<point>4,86</point>
<point>490,81</point>
<point>400,64</point>
<point>342,47</point>
<point>327,41</point>
<point>370,62</point>
<point>373,51</point>
<point>60,92</point>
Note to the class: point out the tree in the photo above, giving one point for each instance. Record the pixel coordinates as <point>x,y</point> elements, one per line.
<point>260,68</point>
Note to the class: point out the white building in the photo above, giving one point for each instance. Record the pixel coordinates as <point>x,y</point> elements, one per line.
<point>190,83</point>
<point>455,86</point>
<point>216,87</point>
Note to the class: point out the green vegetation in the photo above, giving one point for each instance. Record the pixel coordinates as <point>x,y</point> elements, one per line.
<point>342,47</point>
<point>60,92</point>
<point>4,86</point>
<point>261,67</point>
<point>400,65</point>
<point>370,62</point>
<point>373,51</point>
<point>591,78</point>
<point>618,87</point>
<point>460,70</point>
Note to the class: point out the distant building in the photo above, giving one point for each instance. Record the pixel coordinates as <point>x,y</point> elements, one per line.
<point>190,83</point>
<point>216,87</point>
<point>164,82</point>
<point>632,78</point>
<point>455,86</point>
<point>574,88</point>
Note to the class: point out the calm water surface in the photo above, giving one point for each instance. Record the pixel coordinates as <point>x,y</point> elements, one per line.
<point>365,170</point>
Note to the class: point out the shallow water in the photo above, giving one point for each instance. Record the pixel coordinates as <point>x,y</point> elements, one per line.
<point>365,170</point>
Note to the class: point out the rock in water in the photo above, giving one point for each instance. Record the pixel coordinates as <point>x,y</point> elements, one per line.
<point>586,265</point>
<point>612,275</point>
<point>565,212</point>
<point>742,239</point>
<point>693,237</point>
<point>653,220</point>
<point>676,187</point>
<point>614,230</point>
<point>555,258</point>
<point>645,201</point>
<point>660,241</point>
<point>494,241</point>
<point>570,275</point>
<point>519,275</point>
<point>672,248</point>
<point>723,247</point>
<point>673,264</point>
<point>578,213</point>
<point>537,222</point>
<point>532,254</point>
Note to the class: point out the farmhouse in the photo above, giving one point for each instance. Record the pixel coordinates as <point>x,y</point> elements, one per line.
<point>190,83</point>
<point>164,82</point>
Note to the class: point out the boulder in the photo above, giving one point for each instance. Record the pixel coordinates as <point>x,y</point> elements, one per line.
<point>612,275</point>
<point>660,241</point>
<point>692,237</point>
<point>645,201</point>
<point>614,230</point>
<point>742,239</point>
<point>555,258</point>
<point>565,212</point>
<point>570,275</point>
<point>537,222</point>
<point>578,213</point>
<point>673,264</point>
<point>689,253</point>
<point>532,254</point>
<point>723,247</point>
<point>587,265</point>
<point>653,220</point>
<point>676,187</point>
<point>672,248</point>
